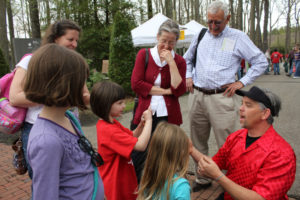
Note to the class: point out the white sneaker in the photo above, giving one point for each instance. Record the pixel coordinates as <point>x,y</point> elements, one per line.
<point>296,77</point>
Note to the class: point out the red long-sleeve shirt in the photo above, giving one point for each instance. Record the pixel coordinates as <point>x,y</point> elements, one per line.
<point>142,83</point>
<point>268,166</point>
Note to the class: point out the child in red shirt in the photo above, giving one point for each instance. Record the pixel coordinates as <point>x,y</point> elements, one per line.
<point>115,142</point>
<point>276,57</point>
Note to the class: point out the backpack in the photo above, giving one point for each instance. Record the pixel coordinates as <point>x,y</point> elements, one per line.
<point>11,117</point>
<point>200,36</point>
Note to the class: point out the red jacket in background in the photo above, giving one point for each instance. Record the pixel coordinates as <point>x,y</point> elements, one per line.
<point>275,57</point>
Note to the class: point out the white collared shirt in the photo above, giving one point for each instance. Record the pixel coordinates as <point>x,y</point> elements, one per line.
<point>219,58</point>
<point>158,104</point>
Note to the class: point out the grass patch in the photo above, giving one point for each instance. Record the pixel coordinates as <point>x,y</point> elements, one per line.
<point>129,104</point>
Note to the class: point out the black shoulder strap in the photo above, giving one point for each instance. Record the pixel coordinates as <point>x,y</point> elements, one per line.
<point>201,34</point>
<point>146,59</point>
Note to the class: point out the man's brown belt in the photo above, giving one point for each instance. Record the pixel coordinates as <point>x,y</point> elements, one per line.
<point>209,92</point>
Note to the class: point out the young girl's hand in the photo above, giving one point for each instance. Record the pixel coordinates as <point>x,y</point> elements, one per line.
<point>147,115</point>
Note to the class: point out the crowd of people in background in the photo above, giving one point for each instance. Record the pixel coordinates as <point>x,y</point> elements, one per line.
<point>289,61</point>
<point>151,160</point>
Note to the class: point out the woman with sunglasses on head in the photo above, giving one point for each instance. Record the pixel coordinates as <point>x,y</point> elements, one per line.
<point>61,157</point>
<point>160,83</point>
<point>64,33</point>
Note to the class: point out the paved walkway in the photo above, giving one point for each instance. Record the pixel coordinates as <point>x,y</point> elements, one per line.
<point>15,187</point>
<point>12,186</point>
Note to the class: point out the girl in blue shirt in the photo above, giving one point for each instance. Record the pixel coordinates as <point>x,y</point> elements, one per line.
<point>166,165</point>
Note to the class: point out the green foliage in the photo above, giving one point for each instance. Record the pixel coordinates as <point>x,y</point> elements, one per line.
<point>122,53</point>
<point>94,77</point>
<point>4,68</point>
<point>280,49</point>
<point>94,45</point>
<point>129,106</point>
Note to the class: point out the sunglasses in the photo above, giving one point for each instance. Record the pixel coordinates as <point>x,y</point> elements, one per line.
<point>87,147</point>
<point>216,22</point>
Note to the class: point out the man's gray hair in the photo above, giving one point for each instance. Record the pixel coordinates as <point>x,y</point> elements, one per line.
<point>171,27</point>
<point>215,6</point>
<point>275,103</point>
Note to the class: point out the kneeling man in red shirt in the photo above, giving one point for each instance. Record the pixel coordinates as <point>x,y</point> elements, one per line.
<point>260,164</point>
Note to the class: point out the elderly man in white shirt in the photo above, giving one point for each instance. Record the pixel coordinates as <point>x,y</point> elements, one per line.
<point>213,82</point>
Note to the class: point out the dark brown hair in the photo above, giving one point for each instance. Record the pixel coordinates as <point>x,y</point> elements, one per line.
<point>58,29</point>
<point>103,95</point>
<point>56,77</point>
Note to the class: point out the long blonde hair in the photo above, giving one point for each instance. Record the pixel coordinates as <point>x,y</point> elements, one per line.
<point>168,155</point>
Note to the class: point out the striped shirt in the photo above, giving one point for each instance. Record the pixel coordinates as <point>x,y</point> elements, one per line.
<point>297,55</point>
<point>219,58</point>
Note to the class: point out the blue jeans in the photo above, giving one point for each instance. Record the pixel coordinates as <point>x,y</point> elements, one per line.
<point>297,72</point>
<point>291,67</point>
<point>276,68</point>
<point>25,135</point>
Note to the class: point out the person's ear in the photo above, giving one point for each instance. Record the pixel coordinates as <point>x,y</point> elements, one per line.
<point>228,18</point>
<point>266,113</point>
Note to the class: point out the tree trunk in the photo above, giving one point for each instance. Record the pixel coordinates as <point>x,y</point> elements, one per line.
<point>11,31</point>
<point>34,18</point>
<point>156,3</point>
<point>179,12</point>
<point>187,9</point>
<point>95,8</point>
<point>141,10</point>
<point>288,28</point>
<point>169,9</point>
<point>239,19</point>
<point>115,7</point>
<point>28,19</point>
<point>252,20</point>
<point>297,15</point>
<point>232,21</point>
<point>265,29</point>
<point>197,14</point>
<point>48,16</point>
<point>174,11</point>
<point>192,7</point>
<point>149,9</point>
<point>162,7</point>
<point>106,11</point>
<point>66,9</point>
<point>258,40</point>
<point>3,30</point>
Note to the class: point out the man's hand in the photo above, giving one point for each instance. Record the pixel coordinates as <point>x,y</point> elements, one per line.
<point>232,87</point>
<point>189,85</point>
<point>208,167</point>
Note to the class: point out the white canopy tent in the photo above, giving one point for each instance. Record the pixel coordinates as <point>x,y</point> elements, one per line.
<point>194,26</point>
<point>145,34</point>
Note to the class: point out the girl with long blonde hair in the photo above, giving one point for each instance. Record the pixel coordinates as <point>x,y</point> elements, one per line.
<point>166,165</point>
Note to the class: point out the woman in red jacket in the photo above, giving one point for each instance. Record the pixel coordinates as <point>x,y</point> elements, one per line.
<point>160,85</point>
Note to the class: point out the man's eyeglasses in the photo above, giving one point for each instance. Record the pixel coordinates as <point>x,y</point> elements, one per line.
<point>216,22</point>
<point>87,147</point>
